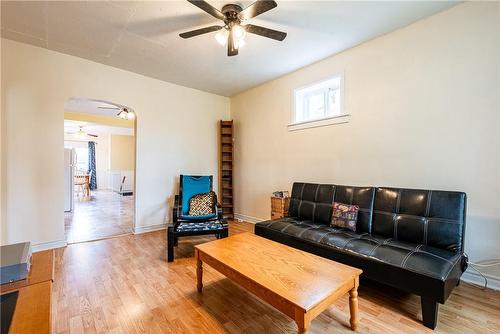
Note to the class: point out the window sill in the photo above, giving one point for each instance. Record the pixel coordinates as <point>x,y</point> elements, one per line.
<point>320,122</point>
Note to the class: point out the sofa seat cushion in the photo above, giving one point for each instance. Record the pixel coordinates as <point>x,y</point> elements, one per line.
<point>421,259</point>
<point>424,260</point>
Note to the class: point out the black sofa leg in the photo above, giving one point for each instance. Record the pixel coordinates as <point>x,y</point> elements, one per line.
<point>429,312</point>
<point>170,245</point>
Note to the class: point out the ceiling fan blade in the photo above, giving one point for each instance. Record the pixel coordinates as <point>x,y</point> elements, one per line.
<point>205,6</point>
<point>266,32</point>
<point>257,8</point>
<point>112,108</point>
<point>197,32</point>
<point>231,46</point>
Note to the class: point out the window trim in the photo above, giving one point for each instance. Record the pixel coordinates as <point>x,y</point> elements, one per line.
<point>343,117</point>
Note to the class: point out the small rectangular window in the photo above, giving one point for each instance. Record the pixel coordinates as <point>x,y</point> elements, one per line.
<point>318,104</point>
<point>82,158</point>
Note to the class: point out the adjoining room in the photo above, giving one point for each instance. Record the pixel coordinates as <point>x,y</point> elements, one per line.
<point>99,145</point>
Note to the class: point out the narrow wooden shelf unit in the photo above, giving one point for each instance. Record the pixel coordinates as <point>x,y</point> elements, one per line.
<point>226,168</point>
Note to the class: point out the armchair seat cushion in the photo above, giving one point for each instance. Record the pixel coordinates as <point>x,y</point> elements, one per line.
<point>192,227</point>
<point>199,217</point>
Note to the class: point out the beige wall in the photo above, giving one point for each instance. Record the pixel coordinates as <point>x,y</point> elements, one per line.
<point>122,152</point>
<point>35,85</point>
<point>425,112</point>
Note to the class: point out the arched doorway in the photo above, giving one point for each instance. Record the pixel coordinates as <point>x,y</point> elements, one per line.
<point>99,146</point>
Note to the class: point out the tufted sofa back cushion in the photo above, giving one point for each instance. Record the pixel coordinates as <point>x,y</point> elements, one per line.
<point>311,201</point>
<point>362,197</point>
<point>429,217</point>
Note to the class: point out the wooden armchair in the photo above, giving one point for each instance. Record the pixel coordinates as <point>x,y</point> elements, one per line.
<point>184,224</point>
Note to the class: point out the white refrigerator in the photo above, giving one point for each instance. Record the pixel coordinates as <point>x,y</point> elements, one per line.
<point>69,171</point>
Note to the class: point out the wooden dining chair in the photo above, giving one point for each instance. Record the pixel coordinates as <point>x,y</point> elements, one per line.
<point>87,183</point>
<point>80,181</point>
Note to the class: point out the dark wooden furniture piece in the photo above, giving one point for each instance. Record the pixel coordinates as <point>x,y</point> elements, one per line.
<point>279,207</point>
<point>185,225</point>
<point>226,168</point>
<point>33,308</point>
<point>299,284</point>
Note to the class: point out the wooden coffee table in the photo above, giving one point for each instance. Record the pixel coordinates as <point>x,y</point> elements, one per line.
<point>299,284</point>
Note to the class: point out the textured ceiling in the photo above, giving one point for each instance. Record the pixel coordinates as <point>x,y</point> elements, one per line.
<point>142,37</point>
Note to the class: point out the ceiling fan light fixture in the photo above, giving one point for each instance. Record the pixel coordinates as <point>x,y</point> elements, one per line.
<point>232,33</point>
<point>81,134</point>
<point>221,37</point>
<point>130,115</point>
<point>122,114</point>
<point>238,32</point>
<point>126,114</point>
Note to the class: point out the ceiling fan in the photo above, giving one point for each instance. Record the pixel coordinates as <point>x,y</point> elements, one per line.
<point>123,113</point>
<point>82,134</point>
<point>233,16</point>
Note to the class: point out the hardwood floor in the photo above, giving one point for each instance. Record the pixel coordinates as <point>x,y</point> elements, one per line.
<point>125,285</point>
<point>104,214</point>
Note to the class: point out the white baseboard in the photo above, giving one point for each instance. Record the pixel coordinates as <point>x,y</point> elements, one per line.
<point>470,276</point>
<point>149,228</point>
<point>41,246</point>
<point>250,219</point>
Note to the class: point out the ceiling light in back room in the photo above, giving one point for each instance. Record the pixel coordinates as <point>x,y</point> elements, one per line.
<point>130,115</point>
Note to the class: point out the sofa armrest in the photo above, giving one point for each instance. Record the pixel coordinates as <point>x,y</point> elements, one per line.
<point>465,262</point>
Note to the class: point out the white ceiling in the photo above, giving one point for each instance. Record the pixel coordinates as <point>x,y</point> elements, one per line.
<point>72,127</point>
<point>91,106</point>
<point>142,37</point>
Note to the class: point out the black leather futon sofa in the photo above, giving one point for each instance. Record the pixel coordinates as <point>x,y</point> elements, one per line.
<point>406,238</point>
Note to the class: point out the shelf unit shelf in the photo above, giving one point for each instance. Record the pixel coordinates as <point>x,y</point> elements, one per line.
<point>226,138</point>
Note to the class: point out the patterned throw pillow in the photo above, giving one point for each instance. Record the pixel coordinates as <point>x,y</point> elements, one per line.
<point>344,216</point>
<point>202,204</point>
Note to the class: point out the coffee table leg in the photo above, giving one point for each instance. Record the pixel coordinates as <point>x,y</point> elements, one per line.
<point>303,321</point>
<point>353,305</point>
<point>199,271</point>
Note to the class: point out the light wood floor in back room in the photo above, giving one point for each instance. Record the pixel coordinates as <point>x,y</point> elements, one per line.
<point>125,285</point>
<point>105,213</point>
